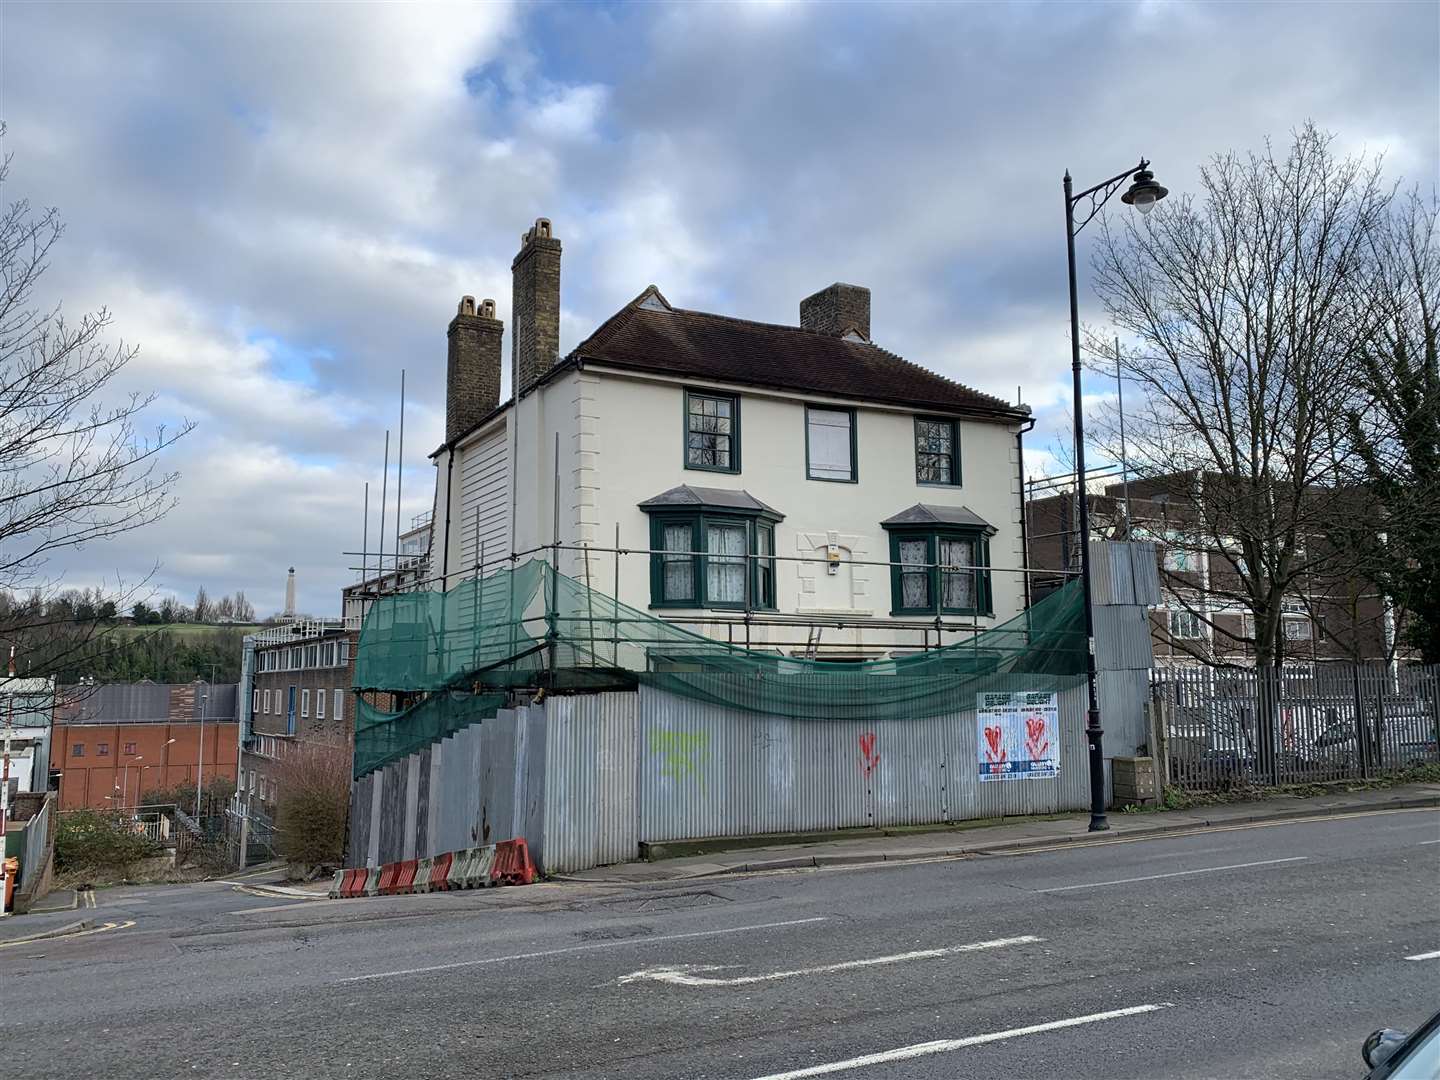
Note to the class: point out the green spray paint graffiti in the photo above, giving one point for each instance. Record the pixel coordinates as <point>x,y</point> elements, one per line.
<point>682,754</point>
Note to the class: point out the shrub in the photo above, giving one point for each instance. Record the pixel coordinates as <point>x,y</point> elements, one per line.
<point>313,805</point>
<point>216,794</point>
<point>99,839</point>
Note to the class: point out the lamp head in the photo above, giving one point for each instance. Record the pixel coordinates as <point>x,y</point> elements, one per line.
<point>1144,192</point>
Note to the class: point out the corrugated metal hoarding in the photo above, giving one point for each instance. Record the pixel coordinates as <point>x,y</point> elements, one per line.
<point>586,778</point>
<point>710,771</point>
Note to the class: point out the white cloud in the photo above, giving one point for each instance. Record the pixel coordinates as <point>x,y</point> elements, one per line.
<point>282,205</point>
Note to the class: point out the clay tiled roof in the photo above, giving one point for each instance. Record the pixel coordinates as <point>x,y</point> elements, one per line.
<point>648,335</point>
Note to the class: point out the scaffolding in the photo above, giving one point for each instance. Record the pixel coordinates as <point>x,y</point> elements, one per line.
<point>453,656</point>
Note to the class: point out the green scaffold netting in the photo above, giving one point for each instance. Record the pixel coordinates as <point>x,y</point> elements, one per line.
<point>531,626</point>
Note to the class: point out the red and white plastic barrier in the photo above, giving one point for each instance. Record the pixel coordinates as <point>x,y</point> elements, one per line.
<point>505,863</point>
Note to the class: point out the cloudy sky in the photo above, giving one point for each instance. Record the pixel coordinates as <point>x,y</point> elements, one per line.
<point>282,203</point>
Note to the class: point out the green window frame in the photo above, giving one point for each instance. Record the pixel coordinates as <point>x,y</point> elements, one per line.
<point>825,470</point>
<point>711,570</point>
<point>712,431</point>
<point>937,451</point>
<point>927,589</point>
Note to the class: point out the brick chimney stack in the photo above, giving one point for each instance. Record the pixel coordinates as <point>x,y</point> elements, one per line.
<point>535,307</point>
<point>472,366</point>
<point>837,310</point>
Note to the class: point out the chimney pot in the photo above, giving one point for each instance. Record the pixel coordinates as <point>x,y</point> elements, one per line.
<point>467,306</point>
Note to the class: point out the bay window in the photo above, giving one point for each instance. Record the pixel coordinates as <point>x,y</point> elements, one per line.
<point>940,572</point>
<point>703,560</point>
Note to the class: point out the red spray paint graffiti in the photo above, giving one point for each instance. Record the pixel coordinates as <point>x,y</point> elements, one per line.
<point>1035,742</point>
<point>870,757</point>
<point>994,751</point>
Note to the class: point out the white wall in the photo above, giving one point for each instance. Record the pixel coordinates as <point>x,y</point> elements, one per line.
<point>621,442</point>
<point>638,453</point>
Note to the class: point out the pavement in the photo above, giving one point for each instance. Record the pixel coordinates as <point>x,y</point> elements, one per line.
<point>1251,948</point>
<point>968,839</point>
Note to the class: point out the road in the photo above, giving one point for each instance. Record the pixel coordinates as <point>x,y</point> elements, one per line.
<point>1258,951</point>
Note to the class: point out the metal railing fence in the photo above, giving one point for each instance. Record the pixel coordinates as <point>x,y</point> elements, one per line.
<point>1229,727</point>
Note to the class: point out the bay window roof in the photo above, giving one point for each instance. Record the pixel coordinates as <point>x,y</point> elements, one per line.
<point>927,515</point>
<point>729,500</point>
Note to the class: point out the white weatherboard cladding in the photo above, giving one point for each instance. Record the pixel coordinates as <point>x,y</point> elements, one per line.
<point>482,512</point>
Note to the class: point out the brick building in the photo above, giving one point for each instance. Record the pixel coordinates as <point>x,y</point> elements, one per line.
<point>115,742</point>
<point>297,691</point>
<point>1324,618</point>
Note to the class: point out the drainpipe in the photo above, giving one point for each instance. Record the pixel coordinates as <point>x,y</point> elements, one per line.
<point>449,500</point>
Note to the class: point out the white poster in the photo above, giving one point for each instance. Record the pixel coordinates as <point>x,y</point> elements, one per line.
<point>1017,736</point>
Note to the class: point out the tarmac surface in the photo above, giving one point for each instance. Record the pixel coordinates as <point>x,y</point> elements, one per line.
<point>1251,949</point>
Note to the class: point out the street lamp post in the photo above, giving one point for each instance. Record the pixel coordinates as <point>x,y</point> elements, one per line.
<point>1142,194</point>
<point>125,792</point>
<point>140,778</point>
<point>200,758</point>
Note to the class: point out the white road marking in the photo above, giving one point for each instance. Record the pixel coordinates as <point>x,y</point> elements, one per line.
<point>1425,956</point>
<point>66,937</point>
<point>1176,873</point>
<point>944,1046</point>
<point>683,976</point>
<point>1424,842</point>
<point>583,948</point>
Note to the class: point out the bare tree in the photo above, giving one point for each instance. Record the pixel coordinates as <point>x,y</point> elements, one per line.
<point>1393,427</point>
<point>1239,309</point>
<point>74,466</point>
<point>204,610</point>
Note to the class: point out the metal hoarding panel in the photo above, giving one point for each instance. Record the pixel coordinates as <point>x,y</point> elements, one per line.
<point>567,843</point>
<point>455,784</point>
<point>497,778</point>
<point>392,812</point>
<point>360,810</point>
<point>1145,572</point>
<point>591,811</point>
<point>1123,639</point>
<point>710,771</point>
<point>1122,696</point>
<point>411,780</point>
<point>425,760</point>
<point>1124,573</point>
<point>1109,584</point>
<point>372,844</point>
<point>435,799</point>
<point>530,780</point>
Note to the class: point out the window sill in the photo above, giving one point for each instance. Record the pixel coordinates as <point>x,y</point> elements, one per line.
<point>711,469</point>
<point>832,479</point>
<point>720,609</point>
